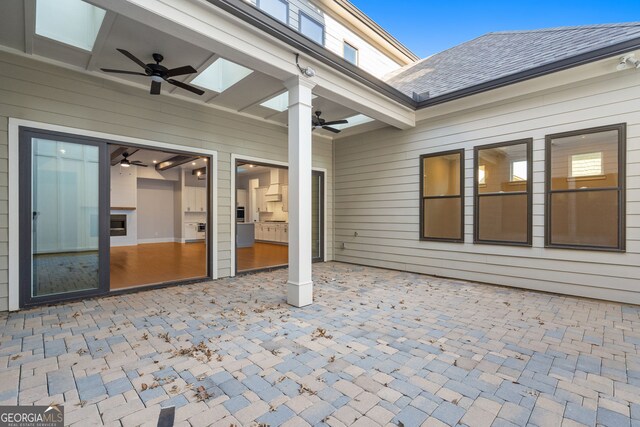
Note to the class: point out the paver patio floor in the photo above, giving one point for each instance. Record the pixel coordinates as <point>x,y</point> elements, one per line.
<point>378,347</point>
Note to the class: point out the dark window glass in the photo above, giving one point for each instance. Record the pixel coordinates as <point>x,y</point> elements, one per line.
<point>442,196</point>
<point>503,193</point>
<point>585,188</point>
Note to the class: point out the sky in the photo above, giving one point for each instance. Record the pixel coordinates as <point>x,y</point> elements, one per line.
<point>428,27</point>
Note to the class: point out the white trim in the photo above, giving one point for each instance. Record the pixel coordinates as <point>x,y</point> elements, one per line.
<point>234,158</point>
<point>14,212</point>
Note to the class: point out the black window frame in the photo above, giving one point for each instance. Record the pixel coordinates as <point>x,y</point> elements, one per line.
<point>461,196</point>
<point>621,188</point>
<point>324,32</point>
<point>344,55</point>
<point>528,193</point>
<point>285,2</point>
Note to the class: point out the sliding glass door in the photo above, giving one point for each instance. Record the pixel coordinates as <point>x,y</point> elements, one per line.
<point>317,216</point>
<point>64,217</point>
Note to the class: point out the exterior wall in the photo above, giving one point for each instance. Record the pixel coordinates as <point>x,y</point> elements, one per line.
<point>377,192</point>
<point>371,59</point>
<point>37,91</point>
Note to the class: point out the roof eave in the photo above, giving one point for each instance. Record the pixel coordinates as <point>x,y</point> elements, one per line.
<point>542,70</point>
<point>277,29</point>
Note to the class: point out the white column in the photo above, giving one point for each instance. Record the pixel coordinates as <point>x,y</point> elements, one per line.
<point>300,285</point>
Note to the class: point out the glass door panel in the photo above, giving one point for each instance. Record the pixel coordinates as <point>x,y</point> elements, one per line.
<point>317,216</point>
<point>61,211</point>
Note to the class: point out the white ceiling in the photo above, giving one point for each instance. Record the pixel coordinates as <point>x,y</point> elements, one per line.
<point>119,31</point>
<point>149,156</point>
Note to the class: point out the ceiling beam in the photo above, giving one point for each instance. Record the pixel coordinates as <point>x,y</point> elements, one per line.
<point>101,38</point>
<point>29,25</point>
<point>174,161</point>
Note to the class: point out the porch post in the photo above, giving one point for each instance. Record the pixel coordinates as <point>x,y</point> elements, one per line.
<point>300,284</point>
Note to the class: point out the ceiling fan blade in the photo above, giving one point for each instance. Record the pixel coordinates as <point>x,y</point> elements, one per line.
<point>135,73</point>
<point>186,87</point>
<point>133,58</point>
<point>187,69</point>
<point>139,164</point>
<point>336,122</point>
<point>330,129</point>
<point>155,87</point>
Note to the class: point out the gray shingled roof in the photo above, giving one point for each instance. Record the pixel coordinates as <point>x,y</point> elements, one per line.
<point>499,54</point>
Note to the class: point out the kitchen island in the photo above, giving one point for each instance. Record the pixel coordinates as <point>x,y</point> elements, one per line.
<point>245,234</point>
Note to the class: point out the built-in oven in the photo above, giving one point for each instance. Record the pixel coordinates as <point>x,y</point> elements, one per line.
<point>202,227</point>
<point>240,214</point>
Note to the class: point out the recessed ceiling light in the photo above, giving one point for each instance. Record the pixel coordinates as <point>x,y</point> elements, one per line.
<point>193,163</point>
<point>155,161</point>
<point>62,150</point>
<point>205,159</point>
<point>221,75</point>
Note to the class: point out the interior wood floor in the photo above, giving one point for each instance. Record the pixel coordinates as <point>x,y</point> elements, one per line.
<point>154,263</point>
<point>262,255</point>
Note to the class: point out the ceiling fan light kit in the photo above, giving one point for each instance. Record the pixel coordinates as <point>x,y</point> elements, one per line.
<point>158,73</point>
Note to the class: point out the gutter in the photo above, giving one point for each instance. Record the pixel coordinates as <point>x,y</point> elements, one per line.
<point>277,29</point>
<point>542,70</point>
<point>266,23</point>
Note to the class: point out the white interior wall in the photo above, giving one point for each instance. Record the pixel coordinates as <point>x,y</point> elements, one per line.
<point>156,211</point>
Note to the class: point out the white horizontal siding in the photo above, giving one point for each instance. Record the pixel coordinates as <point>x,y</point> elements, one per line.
<point>377,193</point>
<point>32,90</point>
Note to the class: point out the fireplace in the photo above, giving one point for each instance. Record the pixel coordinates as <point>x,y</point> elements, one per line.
<point>118,225</point>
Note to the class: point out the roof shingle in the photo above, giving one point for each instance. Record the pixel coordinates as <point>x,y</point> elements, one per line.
<point>499,54</point>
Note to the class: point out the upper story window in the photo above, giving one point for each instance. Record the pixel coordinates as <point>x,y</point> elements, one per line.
<point>502,208</point>
<point>279,9</point>
<point>311,28</point>
<point>585,178</point>
<point>442,196</point>
<point>351,53</point>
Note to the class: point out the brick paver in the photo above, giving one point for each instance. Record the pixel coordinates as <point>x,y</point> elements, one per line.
<point>378,347</point>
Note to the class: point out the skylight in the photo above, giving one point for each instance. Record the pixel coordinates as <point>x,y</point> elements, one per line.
<point>279,103</point>
<point>221,75</point>
<point>72,22</point>
<point>359,119</point>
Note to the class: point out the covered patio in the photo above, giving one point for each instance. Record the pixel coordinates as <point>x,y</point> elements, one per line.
<point>378,347</point>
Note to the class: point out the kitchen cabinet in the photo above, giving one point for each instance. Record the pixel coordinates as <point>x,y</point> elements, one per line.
<point>191,231</point>
<point>261,199</point>
<point>276,232</point>
<point>195,199</point>
<point>241,198</point>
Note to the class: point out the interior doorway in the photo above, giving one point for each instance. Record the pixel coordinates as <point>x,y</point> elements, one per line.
<point>158,217</point>
<point>262,216</point>
<point>97,216</point>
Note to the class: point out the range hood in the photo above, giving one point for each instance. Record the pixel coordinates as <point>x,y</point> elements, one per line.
<point>278,179</point>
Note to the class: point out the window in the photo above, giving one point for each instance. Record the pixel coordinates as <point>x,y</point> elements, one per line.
<point>586,164</point>
<point>585,183</point>
<point>311,28</point>
<point>350,53</point>
<point>502,208</point>
<point>279,9</point>
<point>442,199</point>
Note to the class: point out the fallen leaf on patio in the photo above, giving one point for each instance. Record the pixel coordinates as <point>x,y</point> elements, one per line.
<point>81,351</point>
<point>16,357</point>
<point>144,386</point>
<point>76,314</point>
<point>145,336</point>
